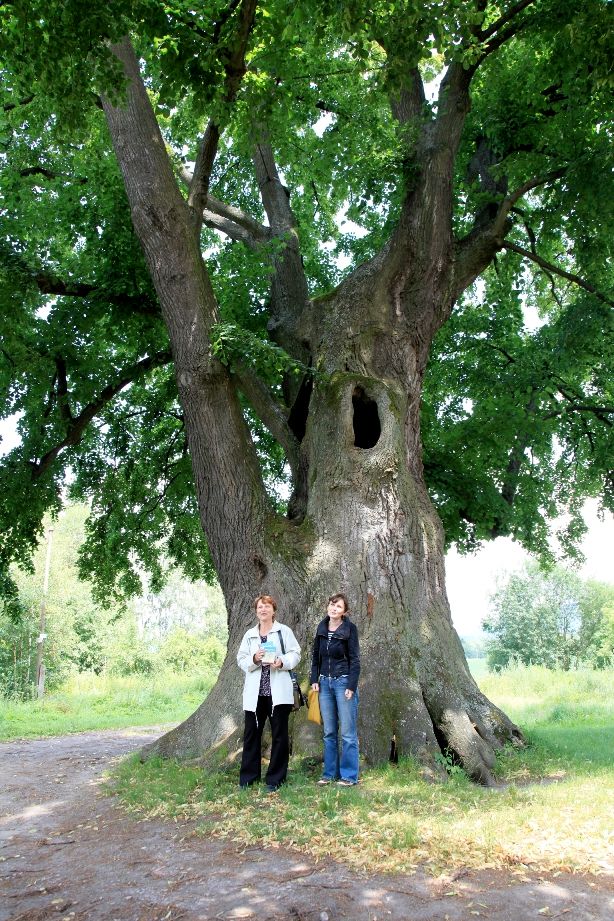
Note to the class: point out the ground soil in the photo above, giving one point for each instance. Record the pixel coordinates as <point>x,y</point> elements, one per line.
<point>68,851</point>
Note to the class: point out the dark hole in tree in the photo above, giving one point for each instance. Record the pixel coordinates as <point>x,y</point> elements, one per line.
<point>367,427</point>
<point>300,410</point>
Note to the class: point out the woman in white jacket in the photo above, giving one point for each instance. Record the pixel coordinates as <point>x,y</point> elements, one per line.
<point>267,693</point>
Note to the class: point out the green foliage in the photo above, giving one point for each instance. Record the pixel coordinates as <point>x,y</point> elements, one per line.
<point>516,422</point>
<point>231,343</point>
<point>77,630</point>
<point>552,619</point>
<point>184,652</point>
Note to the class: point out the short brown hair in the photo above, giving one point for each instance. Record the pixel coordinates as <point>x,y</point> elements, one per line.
<point>268,599</point>
<point>339,596</point>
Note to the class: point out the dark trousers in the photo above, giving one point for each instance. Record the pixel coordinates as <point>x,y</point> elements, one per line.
<point>252,743</point>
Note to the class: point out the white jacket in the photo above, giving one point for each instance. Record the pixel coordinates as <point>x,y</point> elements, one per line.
<point>281,683</point>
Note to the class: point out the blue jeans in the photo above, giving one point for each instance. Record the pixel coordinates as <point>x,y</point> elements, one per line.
<point>339,715</point>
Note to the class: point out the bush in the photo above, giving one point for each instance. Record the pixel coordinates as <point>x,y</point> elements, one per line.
<point>186,652</point>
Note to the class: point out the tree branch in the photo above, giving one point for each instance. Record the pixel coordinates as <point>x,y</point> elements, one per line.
<point>602,412</point>
<point>556,270</point>
<point>504,19</point>
<point>502,33</point>
<point>508,203</point>
<point>224,459</point>
<point>289,291</point>
<point>410,103</point>
<point>270,412</point>
<point>235,68</point>
<point>10,106</point>
<point>62,391</point>
<point>77,424</point>
<point>476,250</point>
<point>49,174</point>
<point>235,223</point>
<point>50,284</point>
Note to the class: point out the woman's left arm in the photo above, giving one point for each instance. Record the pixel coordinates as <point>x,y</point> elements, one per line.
<point>354,657</point>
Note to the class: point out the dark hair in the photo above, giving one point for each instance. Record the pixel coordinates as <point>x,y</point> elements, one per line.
<point>339,596</point>
<point>269,599</point>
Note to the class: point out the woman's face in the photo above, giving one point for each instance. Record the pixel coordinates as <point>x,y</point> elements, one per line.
<point>264,611</point>
<point>336,608</point>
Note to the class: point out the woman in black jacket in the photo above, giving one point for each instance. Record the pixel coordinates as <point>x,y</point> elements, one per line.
<point>335,668</point>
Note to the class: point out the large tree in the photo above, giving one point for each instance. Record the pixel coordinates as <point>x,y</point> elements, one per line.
<point>189,320</point>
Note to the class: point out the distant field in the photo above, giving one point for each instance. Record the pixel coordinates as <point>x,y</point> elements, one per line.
<point>92,702</point>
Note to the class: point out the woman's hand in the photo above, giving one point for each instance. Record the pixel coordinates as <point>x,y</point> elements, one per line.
<point>277,664</point>
<point>348,694</point>
<point>258,656</point>
<point>315,686</point>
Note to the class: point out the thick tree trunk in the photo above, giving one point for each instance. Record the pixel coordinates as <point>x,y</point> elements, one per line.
<point>366,524</point>
<point>371,531</point>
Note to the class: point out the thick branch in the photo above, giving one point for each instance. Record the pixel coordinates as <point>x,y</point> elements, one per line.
<point>515,462</point>
<point>62,391</point>
<point>503,30</point>
<point>424,233</point>
<point>9,106</point>
<point>410,103</point>
<point>235,223</point>
<point>50,284</point>
<point>453,106</point>
<point>270,412</point>
<point>513,11</point>
<point>289,291</point>
<point>601,412</point>
<point>508,203</point>
<point>232,500</point>
<point>235,69</point>
<point>477,249</point>
<point>49,174</point>
<point>556,270</point>
<point>77,425</point>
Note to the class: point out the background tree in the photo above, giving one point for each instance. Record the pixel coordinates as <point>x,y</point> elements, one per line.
<point>78,629</point>
<point>467,141</point>
<point>549,618</point>
<point>182,628</point>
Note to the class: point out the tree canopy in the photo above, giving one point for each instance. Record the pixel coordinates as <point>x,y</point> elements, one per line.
<point>517,421</point>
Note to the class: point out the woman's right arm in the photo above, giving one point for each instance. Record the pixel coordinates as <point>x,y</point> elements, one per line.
<point>245,656</point>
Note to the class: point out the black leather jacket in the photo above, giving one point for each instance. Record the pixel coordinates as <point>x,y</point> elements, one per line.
<point>340,656</point>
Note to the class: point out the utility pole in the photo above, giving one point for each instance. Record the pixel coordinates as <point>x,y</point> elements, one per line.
<point>40,643</point>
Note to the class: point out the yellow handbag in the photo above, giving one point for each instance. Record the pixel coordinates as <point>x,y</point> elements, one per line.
<point>313,707</point>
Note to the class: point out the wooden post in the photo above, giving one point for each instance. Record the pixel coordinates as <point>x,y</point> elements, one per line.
<point>40,643</point>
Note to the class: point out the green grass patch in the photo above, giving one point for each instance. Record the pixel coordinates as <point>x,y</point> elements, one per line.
<point>89,702</point>
<point>552,811</point>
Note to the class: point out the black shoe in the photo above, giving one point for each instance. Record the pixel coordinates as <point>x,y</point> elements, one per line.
<point>271,788</point>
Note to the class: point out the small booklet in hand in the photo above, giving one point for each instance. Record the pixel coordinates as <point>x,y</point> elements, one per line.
<point>270,652</point>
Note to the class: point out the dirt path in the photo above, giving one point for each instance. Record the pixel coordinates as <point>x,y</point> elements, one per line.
<point>66,851</point>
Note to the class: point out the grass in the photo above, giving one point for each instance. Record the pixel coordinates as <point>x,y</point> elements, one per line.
<point>91,702</point>
<point>552,812</point>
